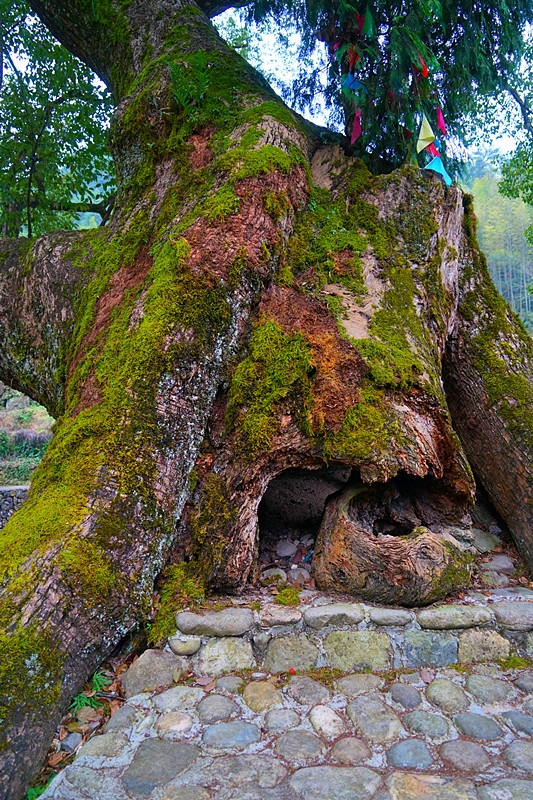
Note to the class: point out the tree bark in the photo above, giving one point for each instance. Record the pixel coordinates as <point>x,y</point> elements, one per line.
<point>126,334</point>
<point>488,377</point>
<point>257,303</point>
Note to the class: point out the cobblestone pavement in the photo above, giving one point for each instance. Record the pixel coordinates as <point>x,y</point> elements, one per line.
<point>324,700</point>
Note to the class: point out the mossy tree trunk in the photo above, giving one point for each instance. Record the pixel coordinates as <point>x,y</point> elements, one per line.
<point>258,302</point>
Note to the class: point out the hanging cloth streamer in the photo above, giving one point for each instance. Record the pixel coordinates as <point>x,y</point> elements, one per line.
<point>353,56</point>
<point>426,135</point>
<point>437,166</point>
<point>424,71</point>
<point>432,150</point>
<point>357,129</point>
<point>441,125</point>
<point>368,24</point>
<point>352,83</point>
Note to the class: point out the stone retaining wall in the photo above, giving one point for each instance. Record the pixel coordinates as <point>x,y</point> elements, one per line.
<point>11,497</point>
<point>353,637</point>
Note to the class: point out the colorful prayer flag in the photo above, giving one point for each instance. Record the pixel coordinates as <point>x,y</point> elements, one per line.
<point>352,83</point>
<point>426,135</point>
<point>353,56</point>
<point>441,125</point>
<point>424,72</point>
<point>437,166</point>
<point>368,24</point>
<point>357,129</point>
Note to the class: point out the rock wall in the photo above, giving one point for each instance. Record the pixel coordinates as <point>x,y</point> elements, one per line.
<point>356,637</point>
<point>11,497</point>
<point>11,399</point>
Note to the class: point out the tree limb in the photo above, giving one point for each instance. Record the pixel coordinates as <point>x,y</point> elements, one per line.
<point>38,285</point>
<point>525,110</point>
<point>102,207</point>
<point>214,7</point>
<point>75,26</point>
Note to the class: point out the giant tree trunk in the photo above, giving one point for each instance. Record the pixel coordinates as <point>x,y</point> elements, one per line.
<point>258,303</point>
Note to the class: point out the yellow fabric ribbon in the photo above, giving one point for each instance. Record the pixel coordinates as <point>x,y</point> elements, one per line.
<point>426,135</point>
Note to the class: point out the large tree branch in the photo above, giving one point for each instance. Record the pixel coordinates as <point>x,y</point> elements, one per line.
<point>102,207</point>
<point>214,7</point>
<point>39,283</point>
<point>525,110</point>
<point>76,26</point>
<point>115,43</point>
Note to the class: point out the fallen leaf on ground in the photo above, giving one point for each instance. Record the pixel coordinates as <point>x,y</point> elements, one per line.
<point>114,706</point>
<point>56,758</point>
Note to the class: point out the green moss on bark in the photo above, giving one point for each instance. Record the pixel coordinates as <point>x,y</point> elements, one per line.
<point>501,348</point>
<point>210,524</point>
<point>456,574</point>
<point>30,674</point>
<point>181,585</point>
<point>276,373</point>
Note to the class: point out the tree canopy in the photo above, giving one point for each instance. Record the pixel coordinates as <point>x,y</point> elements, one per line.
<point>53,154</point>
<point>384,66</point>
<point>406,59</point>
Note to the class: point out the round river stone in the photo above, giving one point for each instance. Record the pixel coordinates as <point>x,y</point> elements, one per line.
<point>216,708</point>
<point>426,724</point>
<point>407,696</point>
<point>299,747</point>
<point>156,762</point>
<point>518,721</point>
<point>466,756</point>
<point>519,755</point>
<point>488,690</point>
<point>411,753</point>
<point>358,683</point>
<point>281,719</point>
<point>351,751</point>
<point>231,734</point>
<point>476,726</point>
<point>447,695</point>
<point>307,691</point>
<point>341,783</point>
<point>261,696</point>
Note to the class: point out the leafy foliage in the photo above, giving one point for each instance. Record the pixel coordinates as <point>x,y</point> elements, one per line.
<point>53,158</point>
<point>88,697</point>
<point>36,791</point>
<point>190,83</point>
<point>469,48</point>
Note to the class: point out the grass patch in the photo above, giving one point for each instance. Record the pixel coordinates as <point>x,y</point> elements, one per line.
<point>514,662</point>
<point>288,596</point>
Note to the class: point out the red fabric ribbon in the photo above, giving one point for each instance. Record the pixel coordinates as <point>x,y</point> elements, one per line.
<point>353,58</point>
<point>360,22</point>
<point>424,71</point>
<point>441,125</point>
<point>433,150</point>
<point>357,129</point>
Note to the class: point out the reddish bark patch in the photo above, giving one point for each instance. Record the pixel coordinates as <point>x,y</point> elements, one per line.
<point>124,280</point>
<point>340,369</point>
<point>215,245</point>
<point>201,153</point>
<point>343,262</point>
